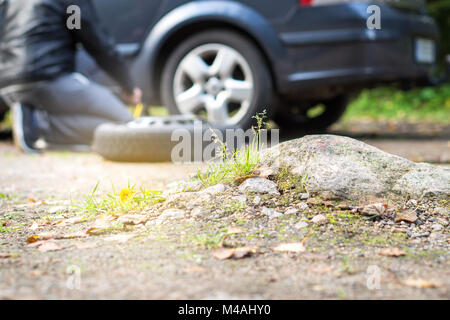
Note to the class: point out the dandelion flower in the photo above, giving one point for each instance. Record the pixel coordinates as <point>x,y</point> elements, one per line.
<point>126,194</point>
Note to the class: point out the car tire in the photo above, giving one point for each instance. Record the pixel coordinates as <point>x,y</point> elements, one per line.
<point>148,139</point>
<point>301,124</point>
<point>253,62</point>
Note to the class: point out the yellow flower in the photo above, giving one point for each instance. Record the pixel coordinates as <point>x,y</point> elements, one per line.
<point>126,194</point>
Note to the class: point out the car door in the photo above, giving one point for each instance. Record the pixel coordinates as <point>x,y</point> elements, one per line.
<point>128,21</point>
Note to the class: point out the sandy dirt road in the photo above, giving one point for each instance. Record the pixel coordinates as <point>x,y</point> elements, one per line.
<point>174,260</point>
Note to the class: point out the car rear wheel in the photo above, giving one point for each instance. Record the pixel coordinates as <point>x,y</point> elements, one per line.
<point>312,116</point>
<point>218,75</point>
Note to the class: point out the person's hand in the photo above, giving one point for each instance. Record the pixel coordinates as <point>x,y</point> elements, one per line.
<point>134,98</point>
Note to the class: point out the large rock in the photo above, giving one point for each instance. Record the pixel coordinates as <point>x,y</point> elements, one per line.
<point>344,168</point>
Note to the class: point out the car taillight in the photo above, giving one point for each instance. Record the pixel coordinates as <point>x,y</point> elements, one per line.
<point>305,3</point>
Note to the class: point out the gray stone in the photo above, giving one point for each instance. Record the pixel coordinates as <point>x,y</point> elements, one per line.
<point>412,203</point>
<point>199,212</point>
<point>259,185</point>
<point>219,188</point>
<point>291,211</point>
<point>172,214</point>
<point>257,200</point>
<point>241,199</point>
<point>344,168</point>
<point>437,227</point>
<point>302,206</point>
<point>320,219</point>
<point>304,196</point>
<point>271,213</point>
<point>301,225</point>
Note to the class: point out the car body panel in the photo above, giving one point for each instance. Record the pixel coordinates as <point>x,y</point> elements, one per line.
<point>232,13</point>
<point>305,47</point>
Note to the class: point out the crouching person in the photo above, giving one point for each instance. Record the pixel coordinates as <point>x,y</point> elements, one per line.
<point>48,98</point>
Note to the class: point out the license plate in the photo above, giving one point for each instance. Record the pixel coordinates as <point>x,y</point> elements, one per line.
<point>425,51</point>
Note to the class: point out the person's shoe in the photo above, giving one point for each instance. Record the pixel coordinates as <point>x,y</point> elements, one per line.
<point>25,130</point>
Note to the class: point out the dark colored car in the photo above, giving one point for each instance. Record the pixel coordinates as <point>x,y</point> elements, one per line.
<point>228,60</point>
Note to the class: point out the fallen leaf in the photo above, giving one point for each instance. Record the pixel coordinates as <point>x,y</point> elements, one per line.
<point>5,255</point>
<point>85,245</point>
<point>133,219</point>
<point>234,230</point>
<point>48,246</point>
<point>328,204</point>
<point>71,221</point>
<point>33,239</point>
<point>34,226</point>
<point>243,252</point>
<point>420,283</point>
<point>372,210</point>
<point>223,253</point>
<point>47,236</point>
<point>4,224</point>
<point>194,269</point>
<point>264,172</point>
<point>407,216</point>
<point>122,238</point>
<point>32,200</point>
<point>296,247</point>
<point>392,252</point>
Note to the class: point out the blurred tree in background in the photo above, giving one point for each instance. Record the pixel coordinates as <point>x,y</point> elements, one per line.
<point>440,10</point>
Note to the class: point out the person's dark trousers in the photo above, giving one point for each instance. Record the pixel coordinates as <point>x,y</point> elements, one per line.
<point>70,108</point>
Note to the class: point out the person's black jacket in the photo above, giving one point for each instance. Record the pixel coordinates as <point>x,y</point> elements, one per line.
<point>36,43</point>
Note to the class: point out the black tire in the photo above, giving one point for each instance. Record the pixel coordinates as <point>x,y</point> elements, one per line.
<point>150,142</point>
<point>3,109</point>
<point>300,123</point>
<point>263,87</point>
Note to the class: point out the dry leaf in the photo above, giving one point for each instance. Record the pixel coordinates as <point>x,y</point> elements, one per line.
<point>234,230</point>
<point>71,221</point>
<point>290,247</point>
<point>376,209</point>
<point>33,239</point>
<point>5,255</point>
<point>32,200</point>
<point>46,236</point>
<point>194,269</point>
<point>264,172</point>
<point>34,226</point>
<point>240,253</point>
<point>328,204</point>
<point>85,245</point>
<point>392,252</point>
<point>407,216</point>
<point>48,246</point>
<point>420,283</point>
<point>122,238</point>
<point>133,219</point>
<point>223,253</point>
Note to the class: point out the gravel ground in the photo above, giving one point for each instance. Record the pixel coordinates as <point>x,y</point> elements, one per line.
<point>346,257</point>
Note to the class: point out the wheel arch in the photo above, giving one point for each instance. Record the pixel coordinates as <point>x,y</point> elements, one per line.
<point>196,17</point>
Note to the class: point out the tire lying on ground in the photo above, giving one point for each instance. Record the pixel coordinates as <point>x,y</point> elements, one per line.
<point>149,139</point>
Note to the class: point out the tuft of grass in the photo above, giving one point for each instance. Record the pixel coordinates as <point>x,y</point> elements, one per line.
<point>232,165</point>
<point>127,200</point>
<point>210,240</point>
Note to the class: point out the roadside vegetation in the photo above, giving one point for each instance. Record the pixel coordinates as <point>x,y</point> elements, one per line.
<point>230,165</point>
<point>128,200</point>
<point>392,104</point>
